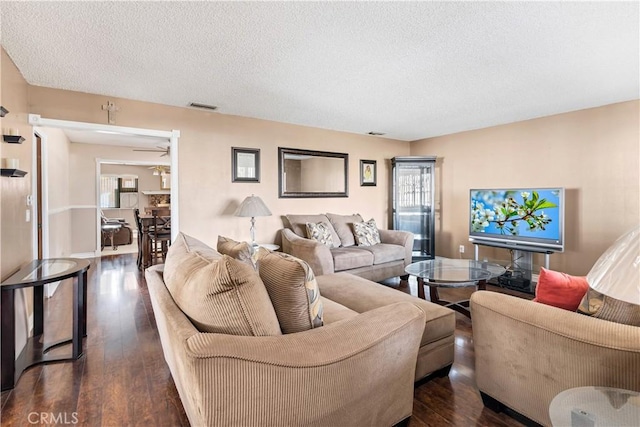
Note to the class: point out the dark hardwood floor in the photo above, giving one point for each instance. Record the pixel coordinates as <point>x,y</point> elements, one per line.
<point>122,380</point>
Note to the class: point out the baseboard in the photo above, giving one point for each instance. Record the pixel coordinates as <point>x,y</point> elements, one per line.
<point>84,255</point>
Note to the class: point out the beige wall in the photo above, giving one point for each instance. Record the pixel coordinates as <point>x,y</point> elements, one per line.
<point>15,232</point>
<point>57,155</point>
<point>593,153</point>
<point>208,198</point>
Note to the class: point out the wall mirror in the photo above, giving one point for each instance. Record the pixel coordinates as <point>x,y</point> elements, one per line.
<point>307,173</point>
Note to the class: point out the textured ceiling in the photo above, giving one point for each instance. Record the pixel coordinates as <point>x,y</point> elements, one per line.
<point>408,69</point>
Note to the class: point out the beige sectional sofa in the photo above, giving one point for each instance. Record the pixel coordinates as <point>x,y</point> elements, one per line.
<point>378,262</point>
<point>358,368</point>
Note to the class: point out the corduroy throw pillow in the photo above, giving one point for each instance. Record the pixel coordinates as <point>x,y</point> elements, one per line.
<point>293,290</point>
<point>218,293</point>
<point>604,307</point>
<point>560,289</point>
<point>239,250</point>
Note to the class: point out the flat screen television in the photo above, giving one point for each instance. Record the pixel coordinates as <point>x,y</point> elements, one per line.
<point>528,219</point>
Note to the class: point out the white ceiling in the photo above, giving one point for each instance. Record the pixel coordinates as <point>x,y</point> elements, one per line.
<point>409,69</point>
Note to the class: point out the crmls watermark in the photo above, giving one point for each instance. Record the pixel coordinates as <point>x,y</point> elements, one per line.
<point>52,418</point>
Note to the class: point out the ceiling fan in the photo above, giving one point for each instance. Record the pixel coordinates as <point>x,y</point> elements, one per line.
<point>165,150</point>
<point>160,170</point>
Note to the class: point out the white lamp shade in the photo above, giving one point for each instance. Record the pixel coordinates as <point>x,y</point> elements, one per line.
<point>617,271</point>
<point>252,206</point>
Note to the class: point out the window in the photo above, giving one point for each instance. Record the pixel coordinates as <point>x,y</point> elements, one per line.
<point>111,186</point>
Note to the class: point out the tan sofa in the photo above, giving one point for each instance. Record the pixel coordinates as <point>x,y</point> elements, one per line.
<point>527,352</point>
<point>378,262</point>
<point>357,369</point>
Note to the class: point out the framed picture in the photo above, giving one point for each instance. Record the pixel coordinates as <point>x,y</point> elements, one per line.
<point>368,173</point>
<point>245,164</point>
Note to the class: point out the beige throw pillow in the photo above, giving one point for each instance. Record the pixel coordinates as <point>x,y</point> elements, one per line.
<point>293,290</point>
<point>239,250</point>
<point>605,307</point>
<point>366,233</point>
<point>218,293</point>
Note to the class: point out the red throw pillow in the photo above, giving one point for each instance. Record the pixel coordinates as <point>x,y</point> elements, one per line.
<point>560,289</point>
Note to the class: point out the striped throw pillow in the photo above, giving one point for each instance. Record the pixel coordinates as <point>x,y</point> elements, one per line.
<point>604,307</point>
<point>293,290</point>
<point>239,250</point>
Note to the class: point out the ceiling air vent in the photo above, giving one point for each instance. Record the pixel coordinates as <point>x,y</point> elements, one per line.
<point>375,133</point>
<point>203,106</point>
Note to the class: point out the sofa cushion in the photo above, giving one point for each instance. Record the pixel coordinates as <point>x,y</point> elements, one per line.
<point>362,295</point>
<point>293,290</point>
<point>366,233</point>
<point>604,307</point>
<point>343,224</point>
<point>218,293</point>
<point>560,289</point>
<point>239,250</point>
<point>384,252</point>
<point>299,225</point>
<point>320,232</point>
<point>351,257</point>
<point>334,312</point>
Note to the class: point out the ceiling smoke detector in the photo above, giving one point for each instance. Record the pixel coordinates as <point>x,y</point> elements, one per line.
<point>203,106</point>
<point>375,133</point>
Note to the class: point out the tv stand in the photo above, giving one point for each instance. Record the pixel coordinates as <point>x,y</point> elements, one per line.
<point>519,274</point>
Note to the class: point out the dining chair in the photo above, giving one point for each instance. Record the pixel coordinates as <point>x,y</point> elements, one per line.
<point>159,235</point>
<point>141,239</point>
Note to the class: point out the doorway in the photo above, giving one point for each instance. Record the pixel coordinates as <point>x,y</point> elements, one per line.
<point>87,209</point>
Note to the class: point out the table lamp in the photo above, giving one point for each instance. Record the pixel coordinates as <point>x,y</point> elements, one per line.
<point>252,206</point>
<point>617,271</point>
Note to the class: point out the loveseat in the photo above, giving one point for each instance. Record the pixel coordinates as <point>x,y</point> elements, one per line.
<point>358,368</point>
<point>374,262</point>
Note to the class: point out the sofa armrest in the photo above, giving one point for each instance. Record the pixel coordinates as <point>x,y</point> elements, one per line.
<point>527,352</point>
<point>358,371</point>
<point>402,238</point>
<point>317,255</point>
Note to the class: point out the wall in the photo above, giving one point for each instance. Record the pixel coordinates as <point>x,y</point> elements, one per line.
<point>593,153</point>
<point>15,249</point>
<point>208,198</point>
<point>56,147</point>
<point>15,231</point>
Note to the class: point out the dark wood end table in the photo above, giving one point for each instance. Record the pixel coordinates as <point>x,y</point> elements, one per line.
<point>36,274</point>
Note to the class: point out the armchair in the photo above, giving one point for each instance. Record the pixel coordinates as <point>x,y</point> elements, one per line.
<point>527,352</point>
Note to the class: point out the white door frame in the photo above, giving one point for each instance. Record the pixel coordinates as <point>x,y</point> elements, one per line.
<point>172,136</point>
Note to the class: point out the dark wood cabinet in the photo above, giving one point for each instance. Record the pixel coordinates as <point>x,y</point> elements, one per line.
<point>413,188</point>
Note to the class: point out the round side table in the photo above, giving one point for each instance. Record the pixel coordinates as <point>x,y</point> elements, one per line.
<point>595,406</point>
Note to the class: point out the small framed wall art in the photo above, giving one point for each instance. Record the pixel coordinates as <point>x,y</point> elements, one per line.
<point>245,164</point>
<point>368,173</point>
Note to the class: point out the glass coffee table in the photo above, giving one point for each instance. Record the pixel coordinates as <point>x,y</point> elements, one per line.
<point>452,273</point>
